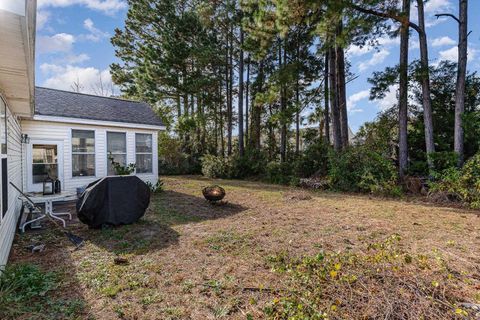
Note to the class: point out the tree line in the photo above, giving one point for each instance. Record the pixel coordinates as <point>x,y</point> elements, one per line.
<point>194,59</point>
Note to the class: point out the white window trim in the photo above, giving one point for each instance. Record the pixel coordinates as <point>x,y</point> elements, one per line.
<point>4,156</point>
<point>37,187</point>
<point>150,153</point>
<point>75,152</point>
<point>115,153</point>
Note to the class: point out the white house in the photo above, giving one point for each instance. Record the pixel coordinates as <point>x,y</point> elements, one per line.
<point>61,134</point>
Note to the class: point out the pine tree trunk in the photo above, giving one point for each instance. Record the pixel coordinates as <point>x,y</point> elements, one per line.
<point>283,129</point>
<point>461,75</point>
<point>297,103</point>
<point>403,93</point>
<point>426,97</point>
<point>247,102</point>
<point>342,95</point>
<point>241,149</point>
<point>336,133</point>
<point>230,94</point>
<point>326,116</point>
<point>255,134</point>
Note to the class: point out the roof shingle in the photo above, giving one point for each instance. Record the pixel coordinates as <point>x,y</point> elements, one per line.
<point>53,102</point>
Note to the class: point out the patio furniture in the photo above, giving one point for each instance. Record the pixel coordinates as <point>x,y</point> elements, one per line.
<point>48,201</point>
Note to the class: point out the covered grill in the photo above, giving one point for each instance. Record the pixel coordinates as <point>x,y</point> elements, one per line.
<point>113,201</point>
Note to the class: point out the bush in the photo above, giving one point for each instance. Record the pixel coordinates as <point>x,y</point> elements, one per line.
<point>172,160</point>
<point>313,161</point>
<point>463,183</point>
<point>216,166</point>
<point>363,170</point>
<point>155,188</point>
<point>281,173</point>
<point>251,164</point>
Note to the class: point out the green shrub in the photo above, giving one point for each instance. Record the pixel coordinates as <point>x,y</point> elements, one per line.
<point>463,183</point>
<point>362,170</point>
<point>251,164</point>
<point>216,166</point>
<point>443,160</point>
<point>313,161</point>
<point>155,188</point>
<point>280,173</point>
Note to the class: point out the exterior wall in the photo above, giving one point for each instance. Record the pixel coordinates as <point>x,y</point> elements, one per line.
<point>57,131</point>
<point>14,162</point>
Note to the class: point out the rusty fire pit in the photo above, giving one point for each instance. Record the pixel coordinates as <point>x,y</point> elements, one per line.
<point>213,193</point>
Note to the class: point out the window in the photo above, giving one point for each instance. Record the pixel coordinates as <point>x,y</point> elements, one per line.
<point>83,153</point>
<point>116,148</point>
<point>44,162</point>
<point>3,127</point>
<point>3,158</point>
<point>143,149</point>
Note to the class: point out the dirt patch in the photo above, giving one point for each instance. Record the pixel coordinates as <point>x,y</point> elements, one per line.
<point>188,259</point>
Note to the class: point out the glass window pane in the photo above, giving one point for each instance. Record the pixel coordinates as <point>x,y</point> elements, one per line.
<point>143,142</point>
<point>83,165</point>
<point>116,142</point>
<point>41,171</point>
<point>44,153</point>
<point>83,141</point>
<point>144,163</point>
<point>120,158</point>
<point>3,127</point>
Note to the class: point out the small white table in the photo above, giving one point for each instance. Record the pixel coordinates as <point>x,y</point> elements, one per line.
<point>48,200</point>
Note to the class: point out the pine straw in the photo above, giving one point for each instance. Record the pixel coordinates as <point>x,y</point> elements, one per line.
<point>383,282</point>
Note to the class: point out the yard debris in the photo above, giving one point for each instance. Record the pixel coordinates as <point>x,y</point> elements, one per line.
<point>298,196</point>
<point>33,248</point>
<point>314,183</point>
<point>120,261</point>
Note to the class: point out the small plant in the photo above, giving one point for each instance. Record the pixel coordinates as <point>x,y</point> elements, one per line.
<point>121,170</point>
<point>22,288</point>
<point>155,188</point>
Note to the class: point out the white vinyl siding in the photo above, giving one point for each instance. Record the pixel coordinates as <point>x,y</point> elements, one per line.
<point>14,158</point>
<point>58,131</point>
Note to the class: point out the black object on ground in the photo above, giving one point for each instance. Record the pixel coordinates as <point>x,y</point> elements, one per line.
<point>113,201</point>
<point>213,193</point>
<point>76,240</point>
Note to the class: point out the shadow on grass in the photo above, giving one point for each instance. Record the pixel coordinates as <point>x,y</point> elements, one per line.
<point>48,286</point>
<point>155,230</point>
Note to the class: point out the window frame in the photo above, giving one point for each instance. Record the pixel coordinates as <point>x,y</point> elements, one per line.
<point>115,153</point>
<point>84,153</point>
<point>4,189</point>
<point>57,163</point>
<point>144,153</point>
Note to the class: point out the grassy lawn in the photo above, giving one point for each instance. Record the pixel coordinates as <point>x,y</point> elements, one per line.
<point>268,252</point>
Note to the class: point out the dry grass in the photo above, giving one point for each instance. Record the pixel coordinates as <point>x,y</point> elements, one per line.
<point>188,259</point>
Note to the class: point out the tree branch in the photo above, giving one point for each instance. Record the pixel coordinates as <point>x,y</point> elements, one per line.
<point>438,15</point>
<point>388,15</point>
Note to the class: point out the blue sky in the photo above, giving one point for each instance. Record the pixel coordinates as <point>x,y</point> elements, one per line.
<point>73,46</point>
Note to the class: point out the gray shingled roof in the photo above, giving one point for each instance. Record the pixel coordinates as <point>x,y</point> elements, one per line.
<point>52,102</point>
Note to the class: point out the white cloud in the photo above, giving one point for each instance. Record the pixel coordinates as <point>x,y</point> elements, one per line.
<point>377,58</point>
<point>64,77</point>
<point>355,98</point>
<point>60,42</point>
<point>95,34</point>
<point>390,98</point>
<point>383,41</point>
<point>452,54</point>
<point>443,41</point>
<point>42,18</point>
<point>106,6</point>
<point>435,6</point>
<point>74,59</point>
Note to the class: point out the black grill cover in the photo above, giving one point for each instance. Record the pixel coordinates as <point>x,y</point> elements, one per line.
<point>113,201</point>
